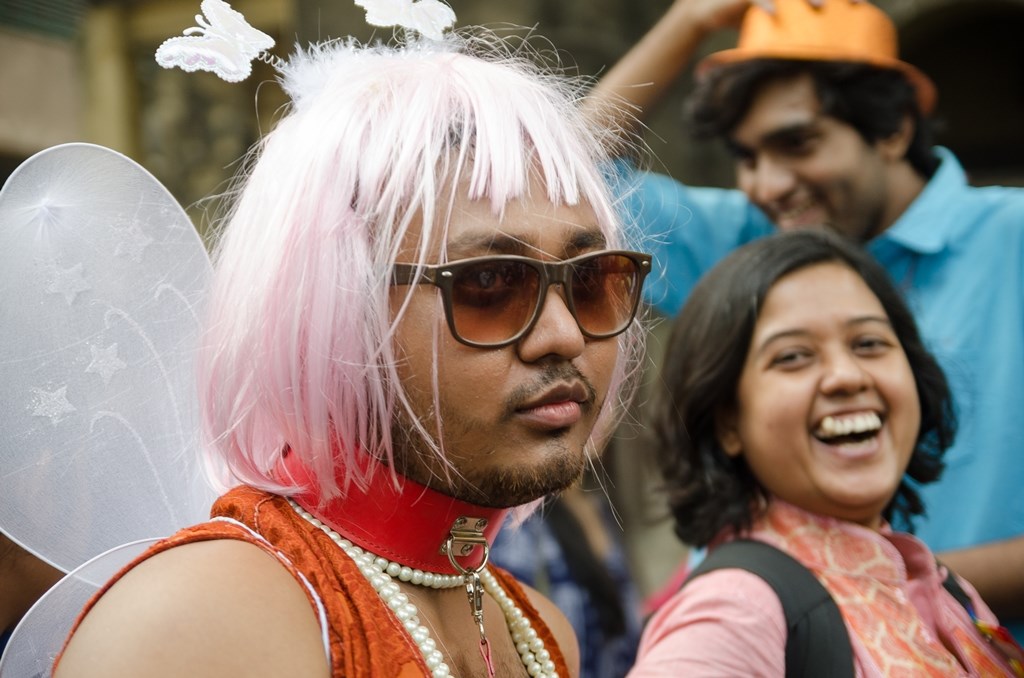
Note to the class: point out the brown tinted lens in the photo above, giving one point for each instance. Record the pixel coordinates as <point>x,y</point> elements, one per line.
<point>604,293</point>
<point>493,300</point>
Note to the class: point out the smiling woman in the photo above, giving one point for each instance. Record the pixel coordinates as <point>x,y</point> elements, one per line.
<point>780,310</point>
<point>826,413</point>
<point>801,407</point>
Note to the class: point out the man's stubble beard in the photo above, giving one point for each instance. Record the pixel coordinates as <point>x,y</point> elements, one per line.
<point>502,487</point>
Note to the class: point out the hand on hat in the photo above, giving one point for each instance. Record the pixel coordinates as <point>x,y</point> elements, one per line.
<point>715,15</point>
<point>769,5</point>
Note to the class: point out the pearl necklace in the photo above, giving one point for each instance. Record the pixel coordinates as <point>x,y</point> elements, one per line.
<point>380,573</point>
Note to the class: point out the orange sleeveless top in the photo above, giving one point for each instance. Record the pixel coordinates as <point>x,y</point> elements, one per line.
<point>363,636</point>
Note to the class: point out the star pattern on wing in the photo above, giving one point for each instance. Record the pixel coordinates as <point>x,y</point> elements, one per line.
<point>51,404</point>
<point>68,282</point>
<point>105,362</point>
<point>133,243</point>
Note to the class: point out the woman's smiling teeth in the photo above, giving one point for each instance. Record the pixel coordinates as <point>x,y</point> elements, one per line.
<point>855,424</point>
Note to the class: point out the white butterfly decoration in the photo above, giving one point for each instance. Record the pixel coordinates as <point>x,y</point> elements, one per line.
<point>223,43</point>
<point>427,17</point>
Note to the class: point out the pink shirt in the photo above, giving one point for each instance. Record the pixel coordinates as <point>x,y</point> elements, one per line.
<point>730,623</point>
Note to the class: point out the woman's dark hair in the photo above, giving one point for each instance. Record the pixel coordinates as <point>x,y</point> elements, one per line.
<point>708,490</point>
<point>872,100</point>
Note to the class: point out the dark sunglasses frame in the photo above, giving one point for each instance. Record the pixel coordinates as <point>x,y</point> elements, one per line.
<point>549,273</point>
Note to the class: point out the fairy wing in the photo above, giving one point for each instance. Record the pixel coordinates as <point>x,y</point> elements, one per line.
<point>40,635</point>
<point>102,285</point>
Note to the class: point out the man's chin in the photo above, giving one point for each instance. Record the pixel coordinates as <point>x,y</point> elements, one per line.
<point>519,485</point>
<point>817,224</point>
<point>854,233</point>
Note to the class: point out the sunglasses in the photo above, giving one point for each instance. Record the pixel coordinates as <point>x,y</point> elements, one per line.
<point>494,301</point>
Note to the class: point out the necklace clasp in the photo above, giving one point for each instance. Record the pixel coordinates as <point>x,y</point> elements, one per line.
<point>466,534</point>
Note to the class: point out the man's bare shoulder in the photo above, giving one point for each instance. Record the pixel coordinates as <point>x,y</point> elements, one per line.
<point>212,608</point>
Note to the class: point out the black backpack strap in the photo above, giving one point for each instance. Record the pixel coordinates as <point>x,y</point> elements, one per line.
<point>817,641</point>
<point>951,585</point>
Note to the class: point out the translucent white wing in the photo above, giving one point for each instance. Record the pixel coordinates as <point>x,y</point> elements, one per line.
<point>102,284</point>
<point>40,635</point>
<point>430,18</point>
<point>223,43</point>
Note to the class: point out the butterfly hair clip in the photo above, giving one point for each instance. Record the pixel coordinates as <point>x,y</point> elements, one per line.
<point>225,44</point>
<point>429,18</point>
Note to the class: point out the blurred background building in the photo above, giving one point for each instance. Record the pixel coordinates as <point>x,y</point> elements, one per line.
<point>83,70</point>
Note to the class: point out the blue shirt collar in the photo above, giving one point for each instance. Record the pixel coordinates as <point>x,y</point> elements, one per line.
<point>926,227</point>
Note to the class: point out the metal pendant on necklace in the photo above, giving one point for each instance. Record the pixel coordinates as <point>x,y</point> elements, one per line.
<point>378,572</point>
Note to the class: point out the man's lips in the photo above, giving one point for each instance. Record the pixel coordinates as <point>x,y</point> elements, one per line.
<point>559,407</point>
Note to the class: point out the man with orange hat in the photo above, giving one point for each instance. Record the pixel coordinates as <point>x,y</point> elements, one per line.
<point>829,129</point>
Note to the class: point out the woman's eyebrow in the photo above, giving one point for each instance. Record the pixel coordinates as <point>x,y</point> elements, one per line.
<point>798,332</point>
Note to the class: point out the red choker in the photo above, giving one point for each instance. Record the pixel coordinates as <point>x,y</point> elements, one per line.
<point>409,524</point>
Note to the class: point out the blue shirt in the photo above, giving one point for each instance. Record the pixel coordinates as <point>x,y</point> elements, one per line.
<point>958,254</point>
<point>533,554</point>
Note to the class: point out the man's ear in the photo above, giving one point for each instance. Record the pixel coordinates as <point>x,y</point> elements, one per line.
<point>894,147</point>
<point>727,431</point>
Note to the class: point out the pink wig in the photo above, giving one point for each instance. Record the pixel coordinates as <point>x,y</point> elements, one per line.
<point>299,346</point>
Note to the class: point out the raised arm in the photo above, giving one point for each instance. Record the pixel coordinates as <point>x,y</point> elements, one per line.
<point>639,81</point>
<point>633,87</point>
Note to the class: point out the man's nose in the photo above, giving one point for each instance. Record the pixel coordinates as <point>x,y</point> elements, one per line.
<point>556,331</point>
<point>769,181</point>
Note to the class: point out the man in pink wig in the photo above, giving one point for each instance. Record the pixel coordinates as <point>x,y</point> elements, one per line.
<point>422,317</point>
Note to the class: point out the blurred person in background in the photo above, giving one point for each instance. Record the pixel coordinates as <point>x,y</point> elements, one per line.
<point>830,129</point>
